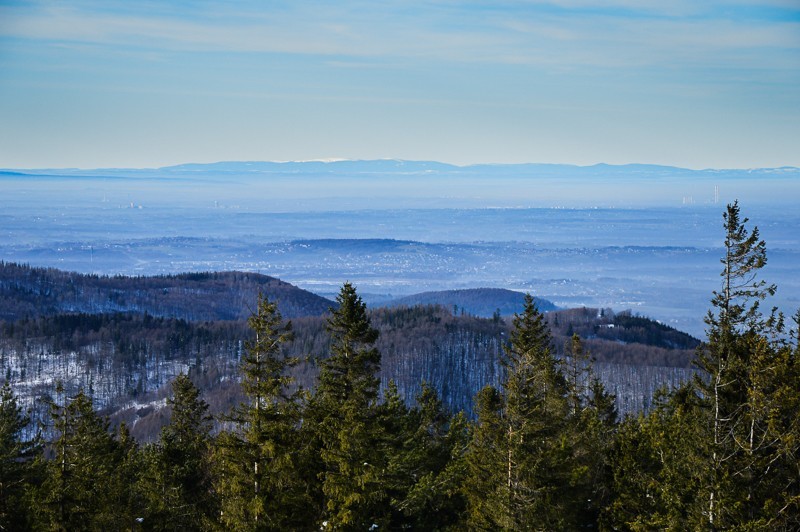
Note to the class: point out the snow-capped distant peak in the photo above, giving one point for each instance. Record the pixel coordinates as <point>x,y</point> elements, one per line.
<point>323,160</point>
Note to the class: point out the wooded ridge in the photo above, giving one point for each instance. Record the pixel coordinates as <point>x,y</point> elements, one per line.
<point>26,291</point>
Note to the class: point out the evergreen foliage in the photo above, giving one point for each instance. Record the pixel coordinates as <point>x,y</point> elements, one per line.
<point>537,457</point>
<point>129,494</point>
<point>535,417</point>
<point>655,467</point>
<point>544,452</point>
<point>260,479</point>
<point>78,490</point>
<point>485,461</point>
<point>591,429</point>
<point>423,448</point>
<point>18,463</point>
<point>721,453</point>
<point>345,414</point>
<point>738,359</point>
<point>181,495</point>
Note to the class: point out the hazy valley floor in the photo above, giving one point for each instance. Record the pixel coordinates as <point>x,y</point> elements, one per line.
<point>660,262</point>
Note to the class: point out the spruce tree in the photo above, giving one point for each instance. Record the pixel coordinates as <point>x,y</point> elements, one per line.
<point>423,447</point>
<point>182,495</point>
<point>262,480</point>
<point>344,414</point>
<point>591,425</point>
<point>394,438</point>
<point>128,496</point>
<point>578,373</point>
<point>722,453</point>
<point>18,460</point>
<point>537,459</point>
<point>519,456</point>
<point>484,485</point>
<point>656,467</point>
<point>737,354</point>
<point>536,412</point>
<point>78,491</point>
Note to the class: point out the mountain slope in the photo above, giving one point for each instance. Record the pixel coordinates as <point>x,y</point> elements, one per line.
<point>34,292</point>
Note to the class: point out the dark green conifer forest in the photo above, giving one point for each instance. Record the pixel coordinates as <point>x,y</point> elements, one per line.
<point>543,450</point>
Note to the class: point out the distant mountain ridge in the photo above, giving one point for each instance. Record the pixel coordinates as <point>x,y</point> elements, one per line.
<point>403,167</point>
<point>396,184</point>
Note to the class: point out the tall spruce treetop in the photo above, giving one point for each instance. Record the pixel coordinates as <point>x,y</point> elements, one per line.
<point>737,302</point>
<point>350,373</point>
<point>518,456</point>
<point>264,368</point>
<point>190,424</point>
<point>722,452</point>
<point>735,318</point>
<point>535,412</point>
<point>533,379</point>
<point>740,361</point>
<point>347,423</point>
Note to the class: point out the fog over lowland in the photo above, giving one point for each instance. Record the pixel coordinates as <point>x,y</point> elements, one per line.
<point>639,237</point>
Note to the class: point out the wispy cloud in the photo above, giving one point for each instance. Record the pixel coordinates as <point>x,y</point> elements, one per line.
<point>587,33</point>
<point>501,73</point>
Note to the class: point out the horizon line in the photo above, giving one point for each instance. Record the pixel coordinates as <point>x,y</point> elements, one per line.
<point>336,160</point>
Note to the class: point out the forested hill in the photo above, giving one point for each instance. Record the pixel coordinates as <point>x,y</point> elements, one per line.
<point>33,292</point>
<point>125,338</point>
<point>481,302</point>
<point>126,361</point>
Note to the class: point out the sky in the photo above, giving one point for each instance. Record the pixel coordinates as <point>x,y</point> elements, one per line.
<point>711,84</point>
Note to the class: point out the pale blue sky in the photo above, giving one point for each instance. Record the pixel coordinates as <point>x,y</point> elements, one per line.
<point>120,83</point>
